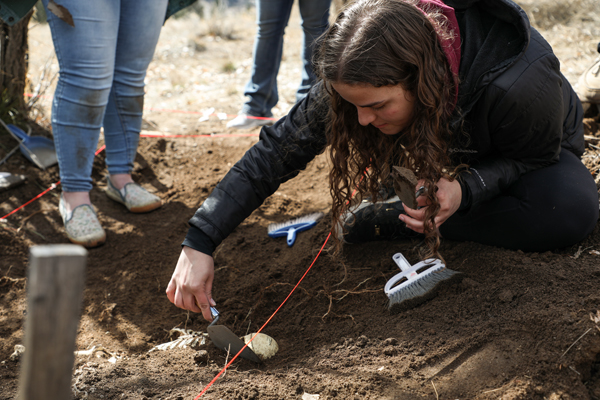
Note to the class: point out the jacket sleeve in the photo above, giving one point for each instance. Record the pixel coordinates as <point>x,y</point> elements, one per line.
<point>12,11</point>
<point>525,122</point>
<point>283,150</point>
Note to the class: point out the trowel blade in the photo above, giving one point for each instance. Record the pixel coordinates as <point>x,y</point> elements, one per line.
<point>42,154</point>
<point>226,340</point>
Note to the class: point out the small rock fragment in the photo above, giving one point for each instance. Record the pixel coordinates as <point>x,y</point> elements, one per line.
<point>506,296</point>
<point>19,351</point>
<point>390,351</point>
<point>201,357</point>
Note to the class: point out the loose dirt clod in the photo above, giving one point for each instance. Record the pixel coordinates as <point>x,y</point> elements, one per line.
<point>405,183</point>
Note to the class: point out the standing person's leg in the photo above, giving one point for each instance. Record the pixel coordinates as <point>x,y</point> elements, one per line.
<point>550,208</point>
<point>261,89</point>
<point>315,21</point>
<point>139,29</point>
<point>85,54</point>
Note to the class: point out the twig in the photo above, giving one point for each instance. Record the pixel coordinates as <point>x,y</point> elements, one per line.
<point>580,251</point>
<point>7,228</point>
<point>343,316</point>
<point>353,291</point>
<point>226,267</point>
<point>27,218</point>
<point>368,279</point>
<point>37,233</point>
<point>39,185</point>
<point>437,396</point>
<point>574,370</point>
<point>345,275</point>
<point>590,137</point>
<point>501,387</point>
<point>330,304</point>
<point>226,360</point>
<point>152,124</point>
<point>580,337</point>
<point>247,315</point>
<point>12,280</point>
<point>93,351</point>
<point>347,292</point>
<point>40,88</point>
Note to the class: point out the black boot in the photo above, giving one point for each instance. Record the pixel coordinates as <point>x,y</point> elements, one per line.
<point>368,221</point>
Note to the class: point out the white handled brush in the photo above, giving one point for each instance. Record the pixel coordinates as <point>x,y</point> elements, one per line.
<point>416,283</point>
<point>289,229</point>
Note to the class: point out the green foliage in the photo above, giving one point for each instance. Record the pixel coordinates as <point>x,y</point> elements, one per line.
<point>39,15</point>
<point>228,67</point>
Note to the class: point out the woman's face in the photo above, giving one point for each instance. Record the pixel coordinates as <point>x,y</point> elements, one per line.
<point>387,108</point>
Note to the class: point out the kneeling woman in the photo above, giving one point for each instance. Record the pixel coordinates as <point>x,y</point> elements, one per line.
<point>465,94</point>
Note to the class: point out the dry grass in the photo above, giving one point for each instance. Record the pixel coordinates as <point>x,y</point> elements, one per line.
<point>545,14</point>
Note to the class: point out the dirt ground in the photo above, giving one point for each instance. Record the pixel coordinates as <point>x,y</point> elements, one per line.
<point>518,326</point>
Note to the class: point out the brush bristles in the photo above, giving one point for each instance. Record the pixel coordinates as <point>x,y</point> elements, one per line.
<point>421,289</point>
<point>306,218</point>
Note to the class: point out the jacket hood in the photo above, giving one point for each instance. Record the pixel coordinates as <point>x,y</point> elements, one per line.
<point>495,34</point>
<point>450,45</point>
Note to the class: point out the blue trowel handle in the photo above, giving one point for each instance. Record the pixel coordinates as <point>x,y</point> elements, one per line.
<point>291,236</point>
<point>300,227</point>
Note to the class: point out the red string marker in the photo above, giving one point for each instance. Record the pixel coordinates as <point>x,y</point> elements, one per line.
<point>265,324</point>
<point>53,186</point>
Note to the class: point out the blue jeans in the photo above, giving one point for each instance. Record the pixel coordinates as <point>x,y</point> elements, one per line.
<point>103,62</point>
<point>272,18</point>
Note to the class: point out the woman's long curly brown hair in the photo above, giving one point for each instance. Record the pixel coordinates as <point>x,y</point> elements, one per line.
<point>387,43</point>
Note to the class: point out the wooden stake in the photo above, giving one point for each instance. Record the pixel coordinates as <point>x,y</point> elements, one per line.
<point>54,295</point>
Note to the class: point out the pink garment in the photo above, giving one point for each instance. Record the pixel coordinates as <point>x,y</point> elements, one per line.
<point>451,46</point>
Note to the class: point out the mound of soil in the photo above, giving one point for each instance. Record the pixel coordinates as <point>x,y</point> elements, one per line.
<point>518,325</point>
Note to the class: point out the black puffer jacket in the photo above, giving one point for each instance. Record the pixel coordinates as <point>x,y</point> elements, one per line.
<point>516,109</point>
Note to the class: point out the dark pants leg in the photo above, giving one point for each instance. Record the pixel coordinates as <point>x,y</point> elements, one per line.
<point>550,208</point>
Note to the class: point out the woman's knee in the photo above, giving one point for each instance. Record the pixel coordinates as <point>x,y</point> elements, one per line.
<point>581,219</point>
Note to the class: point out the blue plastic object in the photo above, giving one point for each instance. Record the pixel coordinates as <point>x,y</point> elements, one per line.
<point>37,149</point>
<point>291,228</point>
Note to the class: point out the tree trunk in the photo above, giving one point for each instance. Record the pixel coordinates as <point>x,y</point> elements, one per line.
<point>13,68</point>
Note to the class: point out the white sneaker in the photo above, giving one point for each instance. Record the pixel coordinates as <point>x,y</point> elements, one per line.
<point>244,121</point>
<point>589,85</point>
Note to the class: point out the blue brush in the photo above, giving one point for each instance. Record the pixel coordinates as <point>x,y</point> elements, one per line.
<point>291,228</point>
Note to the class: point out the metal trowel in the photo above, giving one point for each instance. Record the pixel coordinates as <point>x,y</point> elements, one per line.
<point>37,149</point>
<point>226,340</point>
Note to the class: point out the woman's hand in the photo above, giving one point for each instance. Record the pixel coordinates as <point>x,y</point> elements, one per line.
<point>191,284</point>
<point>448,193</point>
